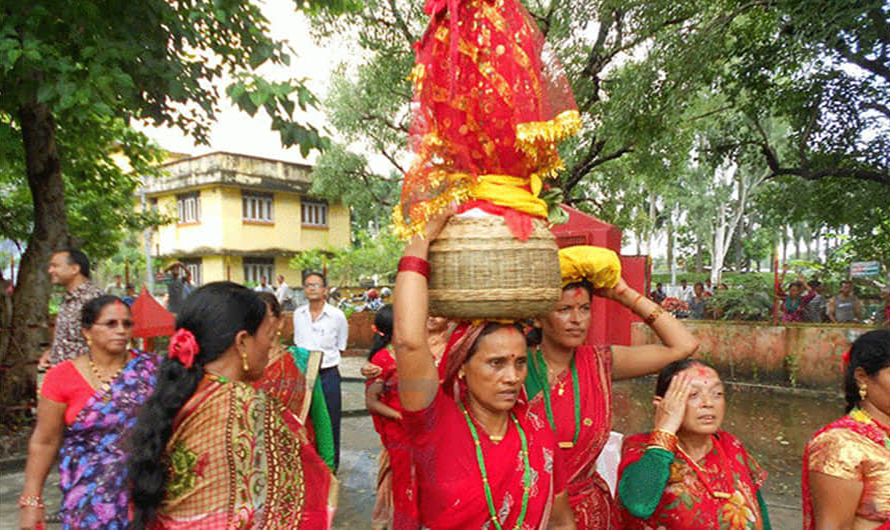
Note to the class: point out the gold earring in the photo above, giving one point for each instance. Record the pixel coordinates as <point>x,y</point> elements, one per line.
<point>89,341</point>
<point>244,363</point>
<point>863,391</point>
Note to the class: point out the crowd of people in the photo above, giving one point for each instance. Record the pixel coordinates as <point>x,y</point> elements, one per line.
<point>799,301</point>
<point>486,424</point>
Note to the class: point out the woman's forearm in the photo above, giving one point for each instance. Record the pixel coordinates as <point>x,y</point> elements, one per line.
<point>672,333</point>
<point>41,455</point>
<point>418,377</point>
<point>642,482</point>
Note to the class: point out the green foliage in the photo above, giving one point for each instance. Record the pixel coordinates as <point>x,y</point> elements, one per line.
<point>371,254</point>
<point>749,298</point>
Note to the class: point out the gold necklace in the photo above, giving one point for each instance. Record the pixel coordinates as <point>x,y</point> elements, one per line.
<point>105,383</point>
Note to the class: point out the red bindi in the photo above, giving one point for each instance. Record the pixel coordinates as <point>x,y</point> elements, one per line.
<point>578,292</point>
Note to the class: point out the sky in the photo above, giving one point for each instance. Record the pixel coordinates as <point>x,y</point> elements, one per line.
<point>238,132</point>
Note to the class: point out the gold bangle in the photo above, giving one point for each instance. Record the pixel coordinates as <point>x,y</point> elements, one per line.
<point>664,439</point>
<point>653,316</point>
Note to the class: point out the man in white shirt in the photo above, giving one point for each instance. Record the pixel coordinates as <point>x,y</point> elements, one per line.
<point>282,293</point>
<point>264,287</point>
<point>319,326</point>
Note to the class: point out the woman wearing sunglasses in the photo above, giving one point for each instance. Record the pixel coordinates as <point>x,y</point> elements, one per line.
<point>86,406</point>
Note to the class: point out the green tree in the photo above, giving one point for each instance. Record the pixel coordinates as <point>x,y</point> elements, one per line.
<point>372,254</point>
<point>73,75</point>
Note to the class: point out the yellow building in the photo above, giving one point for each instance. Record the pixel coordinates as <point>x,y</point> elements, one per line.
<point>241,218</point>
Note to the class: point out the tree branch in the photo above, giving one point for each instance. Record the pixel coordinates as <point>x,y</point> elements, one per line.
<point>400,22</point>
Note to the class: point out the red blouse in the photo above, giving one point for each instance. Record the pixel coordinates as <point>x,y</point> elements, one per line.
<point>64,384</point>
<point>450,488</point>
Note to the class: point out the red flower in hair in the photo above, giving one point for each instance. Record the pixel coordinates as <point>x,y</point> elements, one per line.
<point>846,358</point>
<point>184,347</point>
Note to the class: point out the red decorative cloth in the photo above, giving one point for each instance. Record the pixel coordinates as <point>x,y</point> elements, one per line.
<point>491,103</point>
<point>589,493</point>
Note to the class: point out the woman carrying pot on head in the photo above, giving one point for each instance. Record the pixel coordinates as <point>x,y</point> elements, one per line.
<point>846,465</point>
<point>87,406</point>
<point>209,450</point>
<point>481,460</point>
<point>570,382</point>
<point>688,473</point>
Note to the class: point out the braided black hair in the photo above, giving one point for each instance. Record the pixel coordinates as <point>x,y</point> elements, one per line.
<point>214,313</point>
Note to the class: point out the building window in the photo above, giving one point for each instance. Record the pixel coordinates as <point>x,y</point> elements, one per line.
<point>258,268</point>
<point>256,206</point>
<point>188,207</point>
<point>314,213</point>
<point>195,274</point>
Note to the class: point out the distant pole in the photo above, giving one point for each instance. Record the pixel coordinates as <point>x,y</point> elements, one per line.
<point>146,236</point>
<point>776,287</point>
<point>127,272</point>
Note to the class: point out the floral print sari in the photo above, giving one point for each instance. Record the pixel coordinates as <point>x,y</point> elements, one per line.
<point>92,461</point>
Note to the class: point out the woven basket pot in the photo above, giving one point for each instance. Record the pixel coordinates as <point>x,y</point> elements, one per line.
<point>479,270</point>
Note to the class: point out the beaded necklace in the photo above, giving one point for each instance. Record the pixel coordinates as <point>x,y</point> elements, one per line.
<point>105,383</point>
<point>526,474</point>
<point>723,466</point>
<point>540,370</point>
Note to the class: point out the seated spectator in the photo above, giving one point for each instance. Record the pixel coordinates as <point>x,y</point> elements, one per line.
<point>697,306</point>
<point>658,295</point>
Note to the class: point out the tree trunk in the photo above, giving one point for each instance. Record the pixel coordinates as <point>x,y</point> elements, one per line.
<point>699,258</point>
<point>29,335</point>
<point>669,226</point>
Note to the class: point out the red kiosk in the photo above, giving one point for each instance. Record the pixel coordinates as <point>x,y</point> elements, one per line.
<point>611,320</point>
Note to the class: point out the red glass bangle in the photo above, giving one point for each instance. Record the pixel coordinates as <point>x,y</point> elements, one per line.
<point>415,264</point>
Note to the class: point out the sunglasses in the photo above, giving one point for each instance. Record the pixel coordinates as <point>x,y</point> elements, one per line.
<point>112,324</point>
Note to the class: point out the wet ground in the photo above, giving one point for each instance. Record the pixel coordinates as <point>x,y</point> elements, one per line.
<point>773,425</point>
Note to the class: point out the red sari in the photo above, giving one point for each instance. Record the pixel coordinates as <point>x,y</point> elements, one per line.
<point>449,482</point>
<point>393,437</point>
<point>589,493</point>
<point>686,501</point>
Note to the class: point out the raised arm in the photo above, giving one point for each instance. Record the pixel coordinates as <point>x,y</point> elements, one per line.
<point>418,377</point>
<point>634,361</point>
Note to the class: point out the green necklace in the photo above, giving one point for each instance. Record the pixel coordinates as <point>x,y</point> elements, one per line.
<point>526,474</point>
<point>540,371</point>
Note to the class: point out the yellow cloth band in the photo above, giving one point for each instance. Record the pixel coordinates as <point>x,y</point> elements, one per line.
<point>507,191</point>
<point>599,266</point>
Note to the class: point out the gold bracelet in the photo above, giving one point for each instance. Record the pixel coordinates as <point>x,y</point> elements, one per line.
<point>653,316</point>
<point>30,501</point>
<point>663,439</point>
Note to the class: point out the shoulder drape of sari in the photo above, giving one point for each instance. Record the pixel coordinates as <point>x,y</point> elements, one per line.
<point>589,493</point>
<point>288,378</point>
<point>686,502</point>
<point>850,449</point>
<point>449,482</point>
<point>240,459</point>
<point>92,460</point>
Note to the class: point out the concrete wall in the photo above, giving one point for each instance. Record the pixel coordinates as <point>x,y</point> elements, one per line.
<point>807,355</point>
